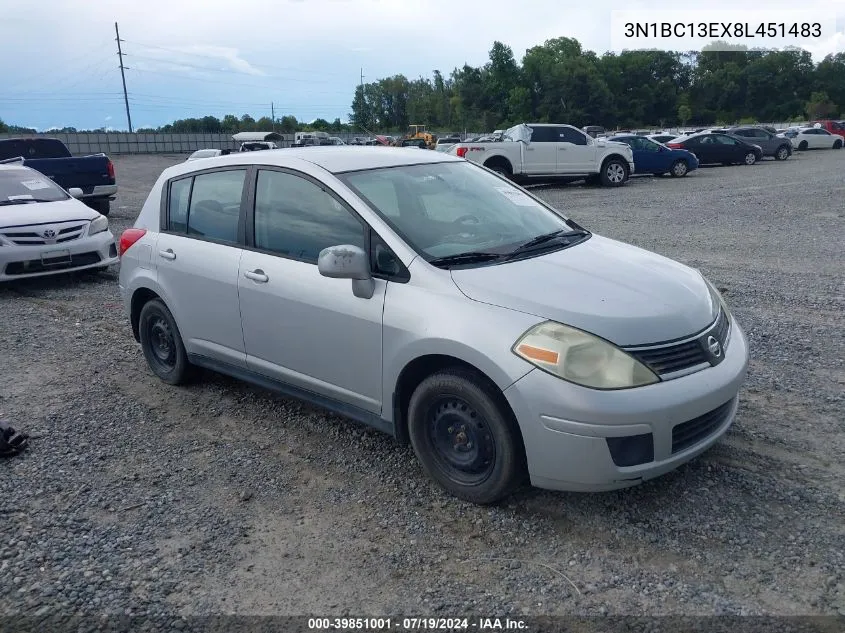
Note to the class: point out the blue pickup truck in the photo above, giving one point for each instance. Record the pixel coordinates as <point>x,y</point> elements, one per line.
<point>93,174</point>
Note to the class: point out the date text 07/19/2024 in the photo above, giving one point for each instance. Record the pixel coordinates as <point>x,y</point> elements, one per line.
<point>416,624</point>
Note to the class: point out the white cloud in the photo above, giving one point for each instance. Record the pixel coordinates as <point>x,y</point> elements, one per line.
<point>108,118</point>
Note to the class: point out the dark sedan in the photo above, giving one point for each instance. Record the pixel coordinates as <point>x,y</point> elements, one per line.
<point>774,145</point>
<point>721,148</point>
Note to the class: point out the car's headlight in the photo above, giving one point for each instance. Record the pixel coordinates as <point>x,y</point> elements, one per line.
<point>98,225</point>
<point>582,358</point>
<point>716,298</point>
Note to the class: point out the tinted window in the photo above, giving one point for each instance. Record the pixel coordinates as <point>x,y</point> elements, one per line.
<point>725,140</point>
<point>26,184</point>
<point>33,148</point>
<point>180,195</point>
<point>544,134</point>
<point>568,135</point>
<point>296,218</point>
<point>215,205</point>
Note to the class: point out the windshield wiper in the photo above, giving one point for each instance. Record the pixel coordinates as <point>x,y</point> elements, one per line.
<point>472,257</point>
<point>547,237</point>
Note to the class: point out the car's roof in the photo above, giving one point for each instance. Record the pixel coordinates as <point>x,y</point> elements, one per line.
<point>332,158</point>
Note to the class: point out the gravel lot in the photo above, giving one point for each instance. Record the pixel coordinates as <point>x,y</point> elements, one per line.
<point>140,498</point>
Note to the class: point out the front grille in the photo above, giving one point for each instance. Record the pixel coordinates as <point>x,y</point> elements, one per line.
<point>34,235</point>
<point>690,433</point>
<point>677,357</point>
<point>62,263</point>
<point>665,360</point>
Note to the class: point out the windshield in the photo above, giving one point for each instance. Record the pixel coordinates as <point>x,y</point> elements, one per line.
<point>447,209</point>
<point>22,185</point>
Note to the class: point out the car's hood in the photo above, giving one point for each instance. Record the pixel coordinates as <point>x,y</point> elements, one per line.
<point>622,293</point>
<point>45,213</point>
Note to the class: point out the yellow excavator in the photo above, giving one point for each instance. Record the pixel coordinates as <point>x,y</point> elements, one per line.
<point>418,136</point>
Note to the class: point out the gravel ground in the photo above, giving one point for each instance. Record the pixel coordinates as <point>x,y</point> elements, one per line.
<point>140,498</point>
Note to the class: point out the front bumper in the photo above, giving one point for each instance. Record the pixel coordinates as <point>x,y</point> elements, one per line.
<point>565,427</point>
<point>22,262</point>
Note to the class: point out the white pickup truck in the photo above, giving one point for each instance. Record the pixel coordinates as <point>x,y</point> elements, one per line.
<point>543,150</point>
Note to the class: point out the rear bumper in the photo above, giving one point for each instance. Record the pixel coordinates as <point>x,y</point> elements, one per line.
<point>101,191</point>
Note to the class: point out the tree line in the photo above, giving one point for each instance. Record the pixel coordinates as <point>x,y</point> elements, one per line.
<point>561,82</point>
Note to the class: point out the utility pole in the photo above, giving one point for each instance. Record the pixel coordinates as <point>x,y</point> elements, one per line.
<point>363,99</point>
<point>123,76</point>
<point>273,115</point>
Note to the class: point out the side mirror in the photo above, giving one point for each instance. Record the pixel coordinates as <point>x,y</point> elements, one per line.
<point>75,192</point>
<point>348,262</point>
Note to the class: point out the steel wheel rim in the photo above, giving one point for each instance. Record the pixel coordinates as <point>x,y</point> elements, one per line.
<point>615,172</point>
<point>782,154</point>
<point>750,159</point>
<point>680,169</point>
<point>162,343</point>
<point>461,441</point>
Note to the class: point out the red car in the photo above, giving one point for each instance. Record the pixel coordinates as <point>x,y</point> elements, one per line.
<point>834,127</point>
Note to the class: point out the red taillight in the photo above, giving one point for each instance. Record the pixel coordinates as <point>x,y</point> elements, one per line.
<point>674,146</point>
<point>110,167</point>
<point>128,238</point>
<point>462,151</point>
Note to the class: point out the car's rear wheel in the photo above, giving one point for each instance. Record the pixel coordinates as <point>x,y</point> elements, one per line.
<point>750,158</point>
<point>614,173</point>
<point>464,438</point>
<point>502,169</point>
<point>679,168</point>
<point>837,144</point>
<point>802,145</point>
<point>162,344</point>
<point>782,153</point>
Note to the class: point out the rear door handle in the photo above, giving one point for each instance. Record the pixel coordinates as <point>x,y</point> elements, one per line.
<point>168,254</point>
<point>257,275</point>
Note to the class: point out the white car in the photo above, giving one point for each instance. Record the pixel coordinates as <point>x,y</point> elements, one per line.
<point>208,153</point>
<point>814,138</point>
<point>45,230</point>
<point>540,150</point>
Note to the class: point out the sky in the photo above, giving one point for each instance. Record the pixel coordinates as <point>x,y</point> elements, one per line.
<point>59,64</point>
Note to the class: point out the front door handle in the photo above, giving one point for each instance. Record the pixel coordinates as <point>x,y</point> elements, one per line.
<point>168,254</point>
<point>257,275</point>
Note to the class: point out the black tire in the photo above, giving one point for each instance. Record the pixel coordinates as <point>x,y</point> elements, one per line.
<point>162,344</point>
<point>614,173</point>
<point>501,169</point>
<point>750,158</point>
<point>463,437</point>
<point>837,144</point>
<point>679,169</point>
<point>802,146</point>
<point>782,153</point>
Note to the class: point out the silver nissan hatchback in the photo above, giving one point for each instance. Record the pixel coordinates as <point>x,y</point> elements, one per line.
<point>436,301</point>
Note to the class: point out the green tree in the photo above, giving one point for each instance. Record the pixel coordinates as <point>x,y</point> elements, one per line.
<point>3,127</point>
<point>820,106</point>
<point>684,114</point>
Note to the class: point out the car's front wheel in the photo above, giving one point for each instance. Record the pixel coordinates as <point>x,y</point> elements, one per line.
<point>679,168</point>
<point>464,438</point>
<point>614,173</point>
<point>162,344</point>
<point>782,153</point>
<point>803,146</point>
<point>750,158</point>
<point>837,144</point>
